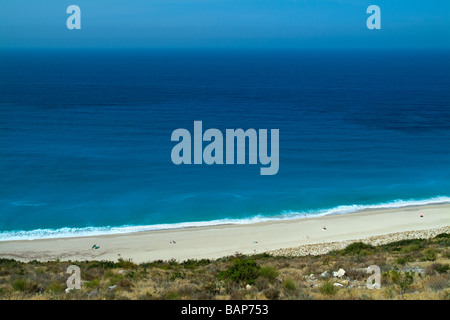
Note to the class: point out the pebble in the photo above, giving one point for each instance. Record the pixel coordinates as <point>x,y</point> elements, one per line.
<point>324,248</point>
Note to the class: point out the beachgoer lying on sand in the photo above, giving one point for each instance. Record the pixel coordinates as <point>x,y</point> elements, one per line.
<point>95,246</point>
<point>324,228</point>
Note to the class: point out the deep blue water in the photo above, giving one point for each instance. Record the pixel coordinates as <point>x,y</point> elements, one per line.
<point>85,135</point>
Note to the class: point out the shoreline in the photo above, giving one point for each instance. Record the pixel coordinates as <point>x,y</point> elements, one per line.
<point>73,232</point>
<point>299,236</point>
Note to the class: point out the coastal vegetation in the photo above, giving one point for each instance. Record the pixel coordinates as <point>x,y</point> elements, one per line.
<point>410,269</point>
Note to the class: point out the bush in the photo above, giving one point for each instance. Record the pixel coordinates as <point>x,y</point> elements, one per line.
<point>26,286</point>
<point>328,288</point>
<point>126,264</point>
<point>103,264</point>
<point>177,275</point>
<point>92,284</point>
<point>411,248</point>
<point>437,267</point>
<point>193,263</point>
<point>403,260</point>
<point>443,236</point>
<point>289,284</point>
<point>357,248</point>
<point>10,263</point>
<point>401,244</point>
<point>442,268</point>
<point>115,279</point>
<point>269,273</point>
<point>19,284</point>
<point>56,287</point>
<point>171,295</point>
<point>242,270</point>
<point>430,255</point>
<point>443,239</point>
<point>403,280</point>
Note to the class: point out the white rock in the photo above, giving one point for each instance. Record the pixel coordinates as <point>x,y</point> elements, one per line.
<point>325,274</point>
<point>111,288</point>
<point>339,273</point>
<point>337,284</point>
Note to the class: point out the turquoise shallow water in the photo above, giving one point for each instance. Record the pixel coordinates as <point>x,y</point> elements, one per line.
<point>85,137</point>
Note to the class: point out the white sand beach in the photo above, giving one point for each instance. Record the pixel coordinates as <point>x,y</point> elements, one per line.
<point>288,237</point>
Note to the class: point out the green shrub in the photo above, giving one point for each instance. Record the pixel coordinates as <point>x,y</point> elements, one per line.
<point>328,288</point>
<point>261,256</point>
<point>26,286</point>
<point>443,239</point>
<point>430,255</point>
<point>268,272</point>
<point>193,263</point>
<point>103,264</point>
<point>92,284</point>
<point>126,264</point>
<point>171,295</point>
<point>403,260</point>
<point>115,279</point>
<point>358,248</point>
<point>19,284</point>
<point>56,287</point>
<point>442,268</point>
<point>439,268</point>
<point>403,280</point>
<point>401,244</point>
<point>289,284</point>
<point>411,248</point>
<point>177,275</point>
<point>242,270</point>
<point>10,263</point>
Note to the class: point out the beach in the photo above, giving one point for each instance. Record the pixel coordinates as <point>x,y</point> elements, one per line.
<point>284,237</point>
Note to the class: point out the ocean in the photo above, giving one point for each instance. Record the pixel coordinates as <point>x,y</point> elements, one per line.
<point>85,136</point>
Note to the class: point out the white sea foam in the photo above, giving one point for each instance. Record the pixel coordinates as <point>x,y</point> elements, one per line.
<point>285,215</point>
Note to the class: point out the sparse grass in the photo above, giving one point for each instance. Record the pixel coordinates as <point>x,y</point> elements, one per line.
<point>92,284</point>
<point>289,284</point>
<point>411,269</point>
<point>328,288</point>
<point>268,272</point>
